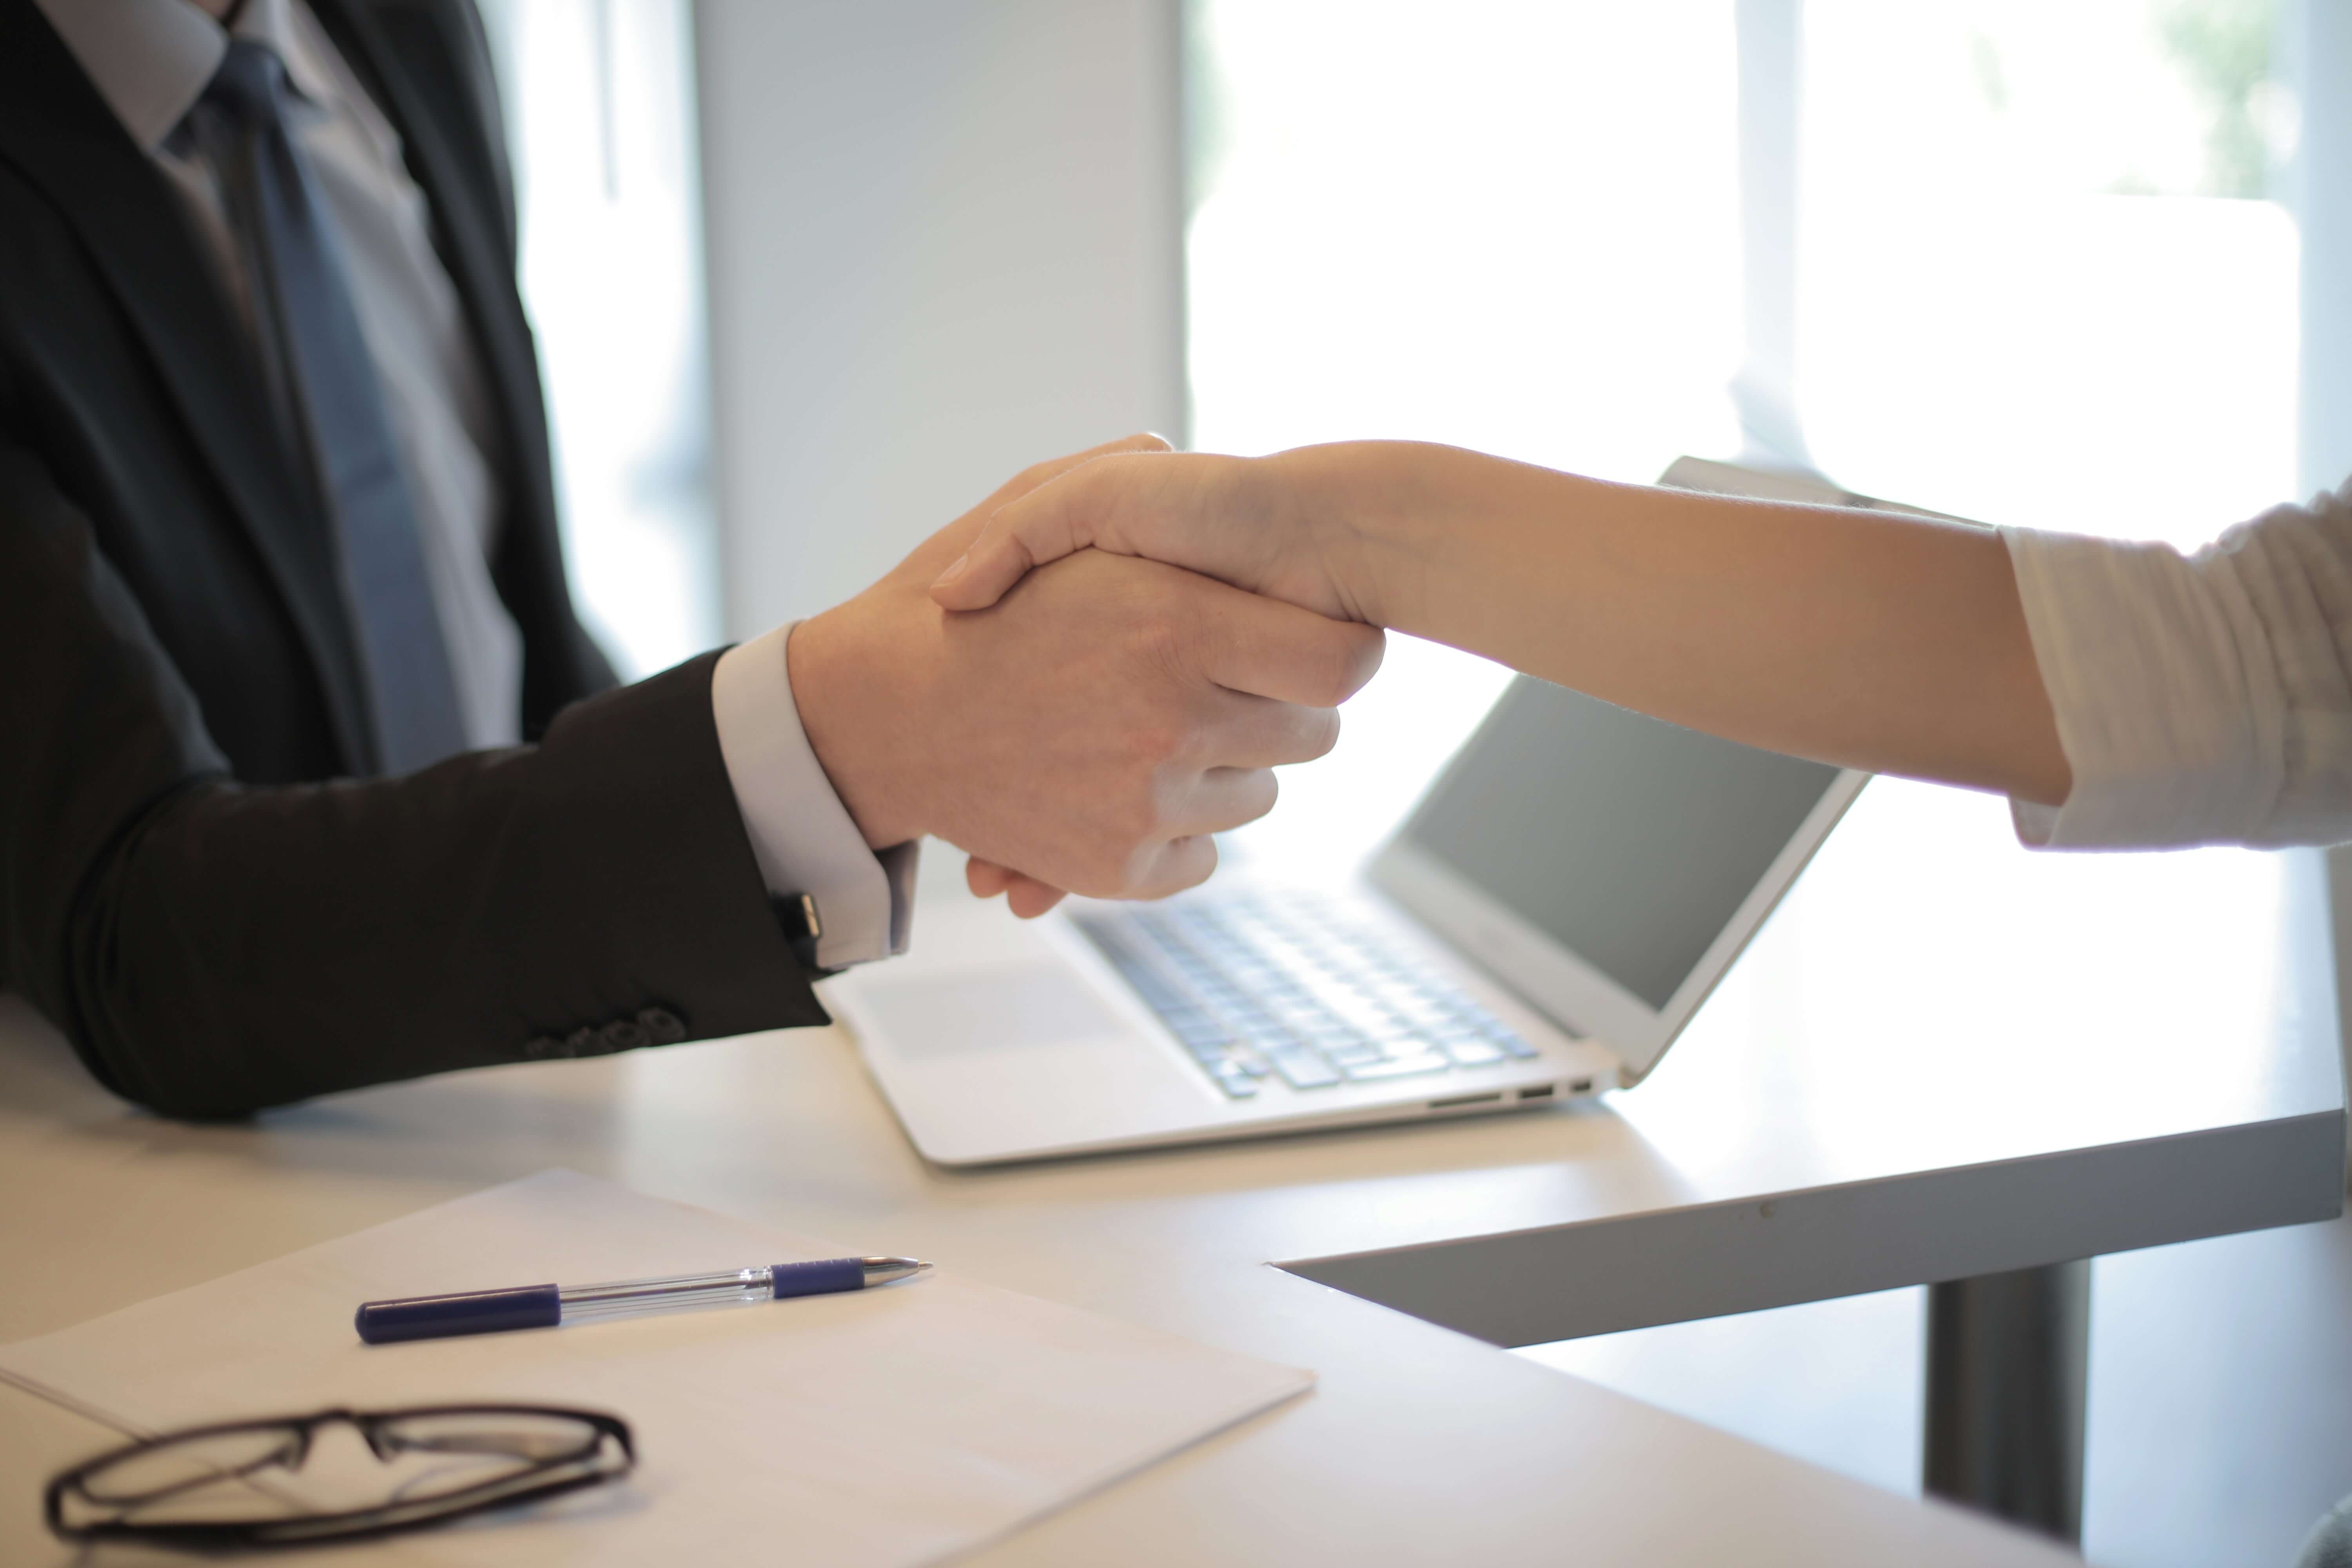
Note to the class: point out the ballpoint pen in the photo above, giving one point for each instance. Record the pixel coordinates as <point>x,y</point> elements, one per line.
<point>545,1306</point>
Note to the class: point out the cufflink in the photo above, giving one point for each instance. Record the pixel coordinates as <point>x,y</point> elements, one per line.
<point>796,913</point>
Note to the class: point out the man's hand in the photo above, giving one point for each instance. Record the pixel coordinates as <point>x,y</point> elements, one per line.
<point>1088,733</point>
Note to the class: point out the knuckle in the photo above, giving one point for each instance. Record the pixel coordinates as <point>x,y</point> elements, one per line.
<point>1153,742</point>
<point>1259,792</point>
<point>1334,683</point>
<point>1099,862</point>
<point>1181,863</point>
<point>1346,663</point>
<point>1128,873</point>
<point>1134,818</point>
<point>1200,866</point>
<point>1319,732</point>
<point>1318,671</point>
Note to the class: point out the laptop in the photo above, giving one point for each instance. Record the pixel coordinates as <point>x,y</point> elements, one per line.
<point>1541,926</point>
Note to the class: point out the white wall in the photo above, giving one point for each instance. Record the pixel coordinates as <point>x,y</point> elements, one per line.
<point>944,240</point>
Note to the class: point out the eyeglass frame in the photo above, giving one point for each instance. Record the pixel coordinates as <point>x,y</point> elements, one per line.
<point>306,1529</point>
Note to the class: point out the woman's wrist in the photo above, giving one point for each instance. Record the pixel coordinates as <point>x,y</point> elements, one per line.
<point>1378,512</point>
<point>1329,504</point>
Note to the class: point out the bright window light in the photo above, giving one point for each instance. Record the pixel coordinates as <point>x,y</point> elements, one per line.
<point>1508,225</point>
<point>2039,276</point>
<point>599,110</point>
<point>2041,280</point>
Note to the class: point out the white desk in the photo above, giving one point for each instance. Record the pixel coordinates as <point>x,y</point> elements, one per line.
<point>1894,1087</point>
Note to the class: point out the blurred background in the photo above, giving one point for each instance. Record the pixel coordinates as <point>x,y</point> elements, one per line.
<point>811,278</point>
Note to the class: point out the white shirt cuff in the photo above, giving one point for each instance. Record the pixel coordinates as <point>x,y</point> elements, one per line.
<point>802,836</point>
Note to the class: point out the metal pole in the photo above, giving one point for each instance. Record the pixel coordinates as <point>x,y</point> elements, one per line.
<point>1770,35</point>
<point>2007,1359</point>
<point>2314,57</point>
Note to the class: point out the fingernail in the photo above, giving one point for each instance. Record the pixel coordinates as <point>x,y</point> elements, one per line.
<point>954,572</point>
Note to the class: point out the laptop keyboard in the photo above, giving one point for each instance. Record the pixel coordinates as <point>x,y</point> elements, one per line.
<point>1258,986</point>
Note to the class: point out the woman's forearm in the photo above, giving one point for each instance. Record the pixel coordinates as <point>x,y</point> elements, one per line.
<point>1867,638</point>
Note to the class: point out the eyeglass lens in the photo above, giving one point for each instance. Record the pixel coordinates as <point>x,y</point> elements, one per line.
<point>175,1465</point>
<point>264,1474</point>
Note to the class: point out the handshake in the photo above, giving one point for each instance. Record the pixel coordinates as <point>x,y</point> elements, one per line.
<point>1073,720</point>
<point>1096,667</point>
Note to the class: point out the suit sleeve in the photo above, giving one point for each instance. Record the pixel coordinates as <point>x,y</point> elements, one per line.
<point>212,949</point>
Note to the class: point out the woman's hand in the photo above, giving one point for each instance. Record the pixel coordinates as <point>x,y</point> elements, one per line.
<point>1254,523</point>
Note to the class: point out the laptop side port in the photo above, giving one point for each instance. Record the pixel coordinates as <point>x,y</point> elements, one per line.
<point>1579,1086</point>
<point>1461,1100</point>
<point>1540,1091</point>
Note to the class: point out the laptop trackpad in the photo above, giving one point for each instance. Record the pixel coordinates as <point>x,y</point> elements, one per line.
<point>1040,1004</point>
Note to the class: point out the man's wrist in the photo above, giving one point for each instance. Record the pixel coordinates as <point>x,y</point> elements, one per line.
<point>844,902</point>
<point>851,725</point>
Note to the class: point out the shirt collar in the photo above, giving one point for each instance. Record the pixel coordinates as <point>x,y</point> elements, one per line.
<point>150,59</point>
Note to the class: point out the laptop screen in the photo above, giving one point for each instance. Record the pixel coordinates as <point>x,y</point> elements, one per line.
<point>1629,841</point>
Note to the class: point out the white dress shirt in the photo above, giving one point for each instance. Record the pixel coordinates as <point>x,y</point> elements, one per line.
<point>151,60</point>
<point>2201,699</point>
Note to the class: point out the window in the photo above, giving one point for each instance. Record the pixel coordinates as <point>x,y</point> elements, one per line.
<point>2042,277</point>
<point>2014,261</point>
<point>600,109</point>
<point>1513,227</point>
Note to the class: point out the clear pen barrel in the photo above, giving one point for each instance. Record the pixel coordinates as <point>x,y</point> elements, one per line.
<point>621,1297</point>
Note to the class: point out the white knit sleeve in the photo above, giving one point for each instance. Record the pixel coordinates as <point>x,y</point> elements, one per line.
<point>2204,699</point>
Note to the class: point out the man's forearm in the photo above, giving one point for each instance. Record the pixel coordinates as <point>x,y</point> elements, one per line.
<point>1867,638</point>
<point>240,948</point>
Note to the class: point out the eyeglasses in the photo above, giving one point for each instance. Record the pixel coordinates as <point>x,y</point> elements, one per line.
<point>253,1483</point>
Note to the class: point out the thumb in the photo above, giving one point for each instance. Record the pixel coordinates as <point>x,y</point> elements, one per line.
<point>1056,519</point>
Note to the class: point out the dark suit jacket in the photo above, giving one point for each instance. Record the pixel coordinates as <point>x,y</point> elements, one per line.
<point>199,883</point>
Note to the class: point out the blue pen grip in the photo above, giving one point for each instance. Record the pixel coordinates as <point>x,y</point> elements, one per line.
<point>472,1312</point>
<point>818,1278</point>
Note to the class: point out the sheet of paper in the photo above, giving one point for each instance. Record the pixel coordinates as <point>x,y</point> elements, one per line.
<point>896,1425</point>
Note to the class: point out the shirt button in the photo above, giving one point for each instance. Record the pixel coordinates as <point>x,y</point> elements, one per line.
<point>623,1035</point>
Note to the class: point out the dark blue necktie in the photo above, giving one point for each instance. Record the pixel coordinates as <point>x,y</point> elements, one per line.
<point>302,291</point>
